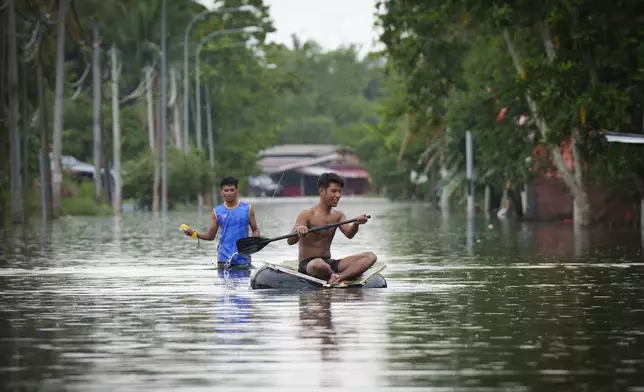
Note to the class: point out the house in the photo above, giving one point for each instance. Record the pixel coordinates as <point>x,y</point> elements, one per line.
<point>296,168</point>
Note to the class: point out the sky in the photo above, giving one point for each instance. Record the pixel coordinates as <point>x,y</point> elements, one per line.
<point>331,23</point>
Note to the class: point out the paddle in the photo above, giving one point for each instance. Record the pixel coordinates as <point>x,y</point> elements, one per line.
<point>251,245</point>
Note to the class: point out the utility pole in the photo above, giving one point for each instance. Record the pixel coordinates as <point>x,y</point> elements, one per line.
<point>17,207</point>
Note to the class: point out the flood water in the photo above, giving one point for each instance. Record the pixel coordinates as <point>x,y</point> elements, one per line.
<point>130,303</point>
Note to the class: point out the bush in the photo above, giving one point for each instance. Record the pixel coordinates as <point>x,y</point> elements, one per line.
<point>77,199</point>
<point>82,200</point>
<point>188,175</point>
<point>84,206</point>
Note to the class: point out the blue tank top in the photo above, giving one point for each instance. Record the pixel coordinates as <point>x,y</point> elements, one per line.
<point>233,223</point>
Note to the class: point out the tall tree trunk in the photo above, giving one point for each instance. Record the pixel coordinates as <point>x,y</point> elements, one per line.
<point>176,118</point>
<point>164,111</point>
<point>640,187</point>
<point>198,119</point>
<point>106,169</point>
<point>582,213</point>
<point>211,147</point>
<point>156,197</point>
<point>57,174</point>
<point>5,163</point>
<point>116,129</point>
<point>45,167</point>
<point>26,184</point>
<point>198,100</point>
<point>444,201</point>
<point>45,147</point>
<point>574,182</point>
<point>150,104</point>
<point>16,180</point>
<point>96,117</point>
<point>157,169</point>
<point>487,201</point>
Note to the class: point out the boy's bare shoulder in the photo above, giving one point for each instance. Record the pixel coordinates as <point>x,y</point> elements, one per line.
<point>337,214</point>
<point>305,214</point>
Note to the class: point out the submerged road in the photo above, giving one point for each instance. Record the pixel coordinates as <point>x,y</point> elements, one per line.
<point>130,303</point>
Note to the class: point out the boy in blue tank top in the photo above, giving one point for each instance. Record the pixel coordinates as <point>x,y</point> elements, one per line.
<point>234,217</point>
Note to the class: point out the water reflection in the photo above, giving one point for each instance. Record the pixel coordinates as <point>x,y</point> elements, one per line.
<point>340,325</point>
<point>234,308</point>
<point>472,304</point>
<point>316,321</point>
<point>316,324</point>
<point>505,335</point>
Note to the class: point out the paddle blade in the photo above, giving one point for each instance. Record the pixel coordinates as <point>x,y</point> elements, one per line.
<point>251,245</point>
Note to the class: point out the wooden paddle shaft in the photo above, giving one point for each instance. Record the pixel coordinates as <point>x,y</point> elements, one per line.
<point>318,228</point>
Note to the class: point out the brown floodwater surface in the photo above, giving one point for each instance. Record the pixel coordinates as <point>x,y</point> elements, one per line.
<point>131,303</point>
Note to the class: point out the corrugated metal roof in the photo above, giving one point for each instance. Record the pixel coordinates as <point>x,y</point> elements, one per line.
<point>301,150</point>
<point>270,164</point>
<point>346,173</point>
<point>631,138</point>
<point>274,162</point>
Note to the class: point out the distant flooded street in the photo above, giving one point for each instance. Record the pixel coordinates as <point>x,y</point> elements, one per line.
<point>131,303</point>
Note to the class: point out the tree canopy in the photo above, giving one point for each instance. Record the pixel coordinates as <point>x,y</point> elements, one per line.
<point>521,77</point>
<point>518,76</point>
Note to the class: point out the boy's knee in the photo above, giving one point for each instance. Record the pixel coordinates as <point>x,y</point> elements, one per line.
<point>371,257</point>
<point>318,268</point>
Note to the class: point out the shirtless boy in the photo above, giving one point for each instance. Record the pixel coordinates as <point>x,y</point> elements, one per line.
<point>315,248</point>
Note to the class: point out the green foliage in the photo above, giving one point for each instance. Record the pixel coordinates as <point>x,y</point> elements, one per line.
<point>82,202</point>
<point>78,135</point>
<point>453,58</point>
<point>332,97</point>
<point>335,97</point>
<point>502,148</point>
<point>446,68</point>
<point>84,206</point>
<point>188,175</point>
<point>243,90</point>
<point>378,150</point>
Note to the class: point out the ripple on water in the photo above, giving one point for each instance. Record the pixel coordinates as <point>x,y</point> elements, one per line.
<point>130,304</point>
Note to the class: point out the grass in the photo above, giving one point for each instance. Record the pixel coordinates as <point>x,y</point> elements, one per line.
<point>83,206</point>
<point>80,203</point>
<point>82,200</point>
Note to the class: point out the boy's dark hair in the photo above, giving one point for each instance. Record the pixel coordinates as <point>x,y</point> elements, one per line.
<point>327,179</point>
<point>229,180</point>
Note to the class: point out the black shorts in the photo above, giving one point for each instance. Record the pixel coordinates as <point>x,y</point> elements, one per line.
<point>333,263</point>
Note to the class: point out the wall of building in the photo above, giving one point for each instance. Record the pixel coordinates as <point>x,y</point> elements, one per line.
<point>554,201</point>
<point>616,205</point>
<point>356,186</point>
<point>611,206</point>
<point>296,184</point>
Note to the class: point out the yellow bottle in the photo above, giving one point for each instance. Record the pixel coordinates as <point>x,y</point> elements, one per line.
<point>185,228</point>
